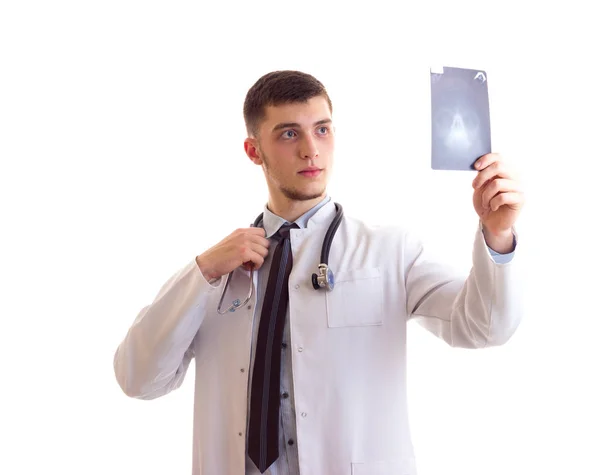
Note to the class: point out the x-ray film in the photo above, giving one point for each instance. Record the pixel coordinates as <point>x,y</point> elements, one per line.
<point>460,118</point>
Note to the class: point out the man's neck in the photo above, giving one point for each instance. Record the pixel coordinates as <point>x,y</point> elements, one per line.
<point>291,210</point>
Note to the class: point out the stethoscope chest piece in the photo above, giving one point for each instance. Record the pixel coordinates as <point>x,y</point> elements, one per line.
<point>324,279</point>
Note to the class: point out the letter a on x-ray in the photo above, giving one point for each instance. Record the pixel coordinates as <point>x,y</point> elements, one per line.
<point>460,118</point>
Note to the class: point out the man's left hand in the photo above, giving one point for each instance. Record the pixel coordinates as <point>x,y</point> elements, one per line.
<point>498,200</point>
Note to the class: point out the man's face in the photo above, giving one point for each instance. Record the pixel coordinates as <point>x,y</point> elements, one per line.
<point>295,148</point>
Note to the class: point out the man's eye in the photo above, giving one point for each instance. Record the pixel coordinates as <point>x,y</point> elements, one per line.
<point>324,129</point>
<point>288,134</point>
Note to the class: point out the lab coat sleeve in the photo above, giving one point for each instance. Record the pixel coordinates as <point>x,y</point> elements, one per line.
<point>481,309</point>
<point>154,356</point>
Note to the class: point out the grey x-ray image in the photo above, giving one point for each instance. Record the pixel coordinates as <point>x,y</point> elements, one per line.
<point>460,118</point>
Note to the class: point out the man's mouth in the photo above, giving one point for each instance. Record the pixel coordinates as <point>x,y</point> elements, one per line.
<point>311,172</point>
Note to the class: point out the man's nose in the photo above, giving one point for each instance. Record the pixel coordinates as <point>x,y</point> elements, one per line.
<point>309,148</point>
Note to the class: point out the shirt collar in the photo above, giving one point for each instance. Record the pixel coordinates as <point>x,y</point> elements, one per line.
<point>272,222</point>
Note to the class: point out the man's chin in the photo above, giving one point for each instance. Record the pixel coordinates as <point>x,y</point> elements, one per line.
<point>301,195</point>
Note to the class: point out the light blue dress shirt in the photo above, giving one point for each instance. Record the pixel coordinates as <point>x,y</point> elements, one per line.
<point>287,463</point>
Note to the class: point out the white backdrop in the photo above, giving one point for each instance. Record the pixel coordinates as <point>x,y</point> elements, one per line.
<point>121,153</point>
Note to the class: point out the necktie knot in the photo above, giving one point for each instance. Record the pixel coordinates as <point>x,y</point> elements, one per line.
<point>284,231</point>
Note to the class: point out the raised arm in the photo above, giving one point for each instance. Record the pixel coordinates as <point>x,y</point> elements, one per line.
<point>485,307</point>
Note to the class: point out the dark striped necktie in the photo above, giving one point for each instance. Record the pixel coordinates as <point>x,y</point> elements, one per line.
<point>263,429</point>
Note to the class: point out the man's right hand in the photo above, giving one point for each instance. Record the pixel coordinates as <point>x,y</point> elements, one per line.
<point>245,246</point>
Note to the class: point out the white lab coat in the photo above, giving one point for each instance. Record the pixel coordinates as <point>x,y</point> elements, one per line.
<point>349,345</point>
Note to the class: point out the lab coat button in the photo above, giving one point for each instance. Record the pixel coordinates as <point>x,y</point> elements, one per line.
<point>285,395</point>
<point>291,442</point>
<point>300,349</point>
<point>296,286</point>
<point>304,414</point>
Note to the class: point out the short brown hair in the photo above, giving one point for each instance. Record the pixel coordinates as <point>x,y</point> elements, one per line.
<point>276,88</point>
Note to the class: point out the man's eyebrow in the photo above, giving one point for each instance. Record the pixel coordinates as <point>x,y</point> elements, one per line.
<point>285,125</point>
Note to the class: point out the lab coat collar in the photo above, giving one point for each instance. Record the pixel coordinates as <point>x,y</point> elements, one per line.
<point>317,214</point>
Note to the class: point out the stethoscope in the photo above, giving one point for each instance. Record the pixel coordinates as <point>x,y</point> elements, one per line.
<point>323,278</point>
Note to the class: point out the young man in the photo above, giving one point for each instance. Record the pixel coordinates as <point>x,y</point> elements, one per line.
<point>302,379</point>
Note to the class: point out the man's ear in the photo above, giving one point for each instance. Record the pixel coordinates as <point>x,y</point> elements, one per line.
<point>251,149</point>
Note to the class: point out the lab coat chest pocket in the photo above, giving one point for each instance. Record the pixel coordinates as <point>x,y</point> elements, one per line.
<point>356,299</point>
